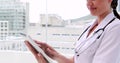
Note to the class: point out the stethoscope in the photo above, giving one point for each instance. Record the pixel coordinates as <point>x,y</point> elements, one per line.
<point>99,32</point>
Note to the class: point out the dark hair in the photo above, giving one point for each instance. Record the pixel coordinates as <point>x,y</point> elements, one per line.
<point>114,6</point>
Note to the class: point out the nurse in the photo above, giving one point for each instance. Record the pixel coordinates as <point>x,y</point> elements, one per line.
<point>99,43</point>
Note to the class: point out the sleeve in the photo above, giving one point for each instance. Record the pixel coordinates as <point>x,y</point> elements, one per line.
<point>109,49</point>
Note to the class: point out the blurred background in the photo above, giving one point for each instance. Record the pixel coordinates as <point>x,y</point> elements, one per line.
<point>56,22</point>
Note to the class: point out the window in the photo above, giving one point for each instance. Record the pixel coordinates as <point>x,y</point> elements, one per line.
<point>1,29</point>
<point>56,22</point>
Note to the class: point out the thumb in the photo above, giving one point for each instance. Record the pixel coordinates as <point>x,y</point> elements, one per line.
<point>40,58</point>
<point>51,53</point>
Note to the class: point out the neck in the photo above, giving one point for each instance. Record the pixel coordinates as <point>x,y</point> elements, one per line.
<point>102,16</point>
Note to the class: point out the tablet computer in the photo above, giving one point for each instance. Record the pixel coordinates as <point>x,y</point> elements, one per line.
<point>37,48</point>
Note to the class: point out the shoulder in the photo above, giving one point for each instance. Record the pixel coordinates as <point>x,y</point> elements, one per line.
<point>112,31</point>
<point>114,26</point>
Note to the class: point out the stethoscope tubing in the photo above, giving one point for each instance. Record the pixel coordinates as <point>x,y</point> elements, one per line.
<point>80,45</point>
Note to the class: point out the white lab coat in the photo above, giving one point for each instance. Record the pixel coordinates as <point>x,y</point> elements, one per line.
<point>106,49</point>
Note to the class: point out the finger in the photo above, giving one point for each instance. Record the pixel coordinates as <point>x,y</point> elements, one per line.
<point>41,59</point>
<point>51,53</point>
<point>31,48</point>
<point>38,56</point>
<point>48,49</point>
<point>42,45</point>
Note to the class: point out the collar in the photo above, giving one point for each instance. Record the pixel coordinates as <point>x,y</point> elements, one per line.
<point>89,41</point>
<point>105,21</point>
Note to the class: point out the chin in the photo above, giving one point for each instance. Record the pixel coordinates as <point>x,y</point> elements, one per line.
<point>93,14</point>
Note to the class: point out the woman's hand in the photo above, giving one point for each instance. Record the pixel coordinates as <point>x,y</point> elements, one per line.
<point>49,51</point>
<point>37,55</point>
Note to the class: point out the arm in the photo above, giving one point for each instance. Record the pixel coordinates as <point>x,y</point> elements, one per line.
<point>109,49</point>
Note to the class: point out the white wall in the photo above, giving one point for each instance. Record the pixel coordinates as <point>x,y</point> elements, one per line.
<point>16,57</point>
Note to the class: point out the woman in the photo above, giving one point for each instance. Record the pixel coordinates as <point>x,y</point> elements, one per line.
<point>99,43</point>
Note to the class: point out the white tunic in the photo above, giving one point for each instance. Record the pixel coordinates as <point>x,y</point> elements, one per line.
<point>106,49</point>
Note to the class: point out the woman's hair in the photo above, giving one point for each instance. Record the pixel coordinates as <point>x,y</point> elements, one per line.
<point>114,6</point>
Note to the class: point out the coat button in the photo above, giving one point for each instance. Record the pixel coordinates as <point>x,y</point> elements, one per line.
<point>76,52</point>
<point>78,55</point>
